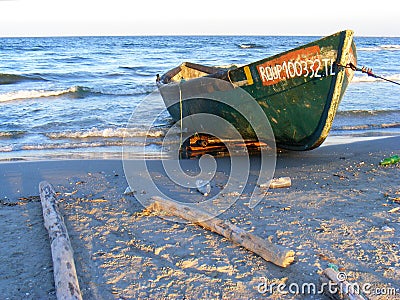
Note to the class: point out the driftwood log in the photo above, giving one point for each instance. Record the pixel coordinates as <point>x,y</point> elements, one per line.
<point>335,286</point>
<point>264,248</point>
<point>66,281</point>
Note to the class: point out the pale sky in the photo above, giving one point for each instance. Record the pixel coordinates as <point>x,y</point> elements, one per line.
<point>202,17</point>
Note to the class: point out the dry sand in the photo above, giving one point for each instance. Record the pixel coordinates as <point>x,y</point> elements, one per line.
<point>338,210</point>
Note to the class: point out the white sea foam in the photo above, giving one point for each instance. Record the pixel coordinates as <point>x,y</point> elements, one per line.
<point>369,48</point>
<point>70,145</point>
<point>368,126</point>
<point>31,94</point>
<point>391,47</point>
<point>366,78</point>
<point>6,148</point>
<point>106,133</point>
<point>380,48</point>
<point>5,134</point>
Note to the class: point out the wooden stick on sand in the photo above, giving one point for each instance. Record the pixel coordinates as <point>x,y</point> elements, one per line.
<point>66,281</point>
<point>270,252</point>
<point>336,286</point>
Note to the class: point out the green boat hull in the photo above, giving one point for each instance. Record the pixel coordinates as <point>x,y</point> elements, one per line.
<point>299,91</point>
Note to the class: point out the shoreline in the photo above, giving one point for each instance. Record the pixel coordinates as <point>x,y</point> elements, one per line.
<point>336,211</point>
<point>50,155</point>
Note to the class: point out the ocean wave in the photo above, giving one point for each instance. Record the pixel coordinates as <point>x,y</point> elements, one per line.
<point>6,148</point>
<point>380,48</point>
<point>70,145</point>
<point>391,47</point>
<point>76,92</point>
<point>134,68</point>
<point>11,134</point>
<point>249,46</point>
<point>367,126</point>
<point>138,70</point>
<point>15,78</point>
<point>367,113</point>
<point>107,133</point>
<point>32,94</point>
<point>59,146</point>
<point>366,78</point>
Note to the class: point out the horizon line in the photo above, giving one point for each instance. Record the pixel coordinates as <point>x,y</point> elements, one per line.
<point>180,34</point>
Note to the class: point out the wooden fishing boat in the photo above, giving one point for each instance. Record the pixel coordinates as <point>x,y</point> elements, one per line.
<point>299,90</point>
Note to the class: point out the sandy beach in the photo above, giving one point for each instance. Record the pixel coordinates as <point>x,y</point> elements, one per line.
<point>342,208</point>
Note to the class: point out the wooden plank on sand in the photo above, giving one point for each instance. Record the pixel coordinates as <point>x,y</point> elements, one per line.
<point>66,281</point>
<point>270,252</point>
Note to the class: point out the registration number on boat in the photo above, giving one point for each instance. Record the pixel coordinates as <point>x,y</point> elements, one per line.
<point>300,63</point>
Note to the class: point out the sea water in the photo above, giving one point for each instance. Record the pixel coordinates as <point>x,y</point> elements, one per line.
<point>74,96</point>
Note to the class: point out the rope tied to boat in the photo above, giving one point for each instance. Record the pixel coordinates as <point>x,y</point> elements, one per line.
<point>181,112</point>
<point>367,71</point>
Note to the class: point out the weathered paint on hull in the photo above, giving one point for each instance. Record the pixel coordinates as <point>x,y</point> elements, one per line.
<point>298,90</point>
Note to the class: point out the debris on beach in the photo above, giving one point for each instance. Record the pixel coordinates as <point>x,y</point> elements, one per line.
<point>71,193</point>
<point>391,197</point>
<point>394,159</point>
<point>129,191</point>
<point>277,183</point>
<point>203,187</point>
<point>393,210</point>
<point>387,229</point>
<point>333,266</point>
<point>30,199</point>
<point>281,182</point>
<point>343,288</point>
<point>65,277</point>
<point>22,201</point>
<point>270,252</point>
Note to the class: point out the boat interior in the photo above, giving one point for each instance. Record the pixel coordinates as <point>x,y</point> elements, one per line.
<point>187,71</point>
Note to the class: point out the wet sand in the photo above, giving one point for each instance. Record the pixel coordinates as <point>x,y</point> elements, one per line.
<point>340,209</point>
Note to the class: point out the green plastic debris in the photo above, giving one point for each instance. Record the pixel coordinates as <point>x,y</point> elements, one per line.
<point>333,266</point>
<point>394,159</point>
